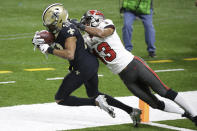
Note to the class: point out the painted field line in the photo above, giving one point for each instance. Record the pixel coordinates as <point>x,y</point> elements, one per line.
<point>61,78</point>
<point>167,126</point>
<point>20,34</point>
<point>14,38</point>
<point>4,72</point>
<point>100,75</point>
<point>7,82</point>
<point>169,70</point>
<point>56,78</point>
<point>39,69</point>
<point>160,61</point>
<point>190,59</point>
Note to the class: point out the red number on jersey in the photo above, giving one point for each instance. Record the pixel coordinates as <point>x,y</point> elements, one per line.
<point>110,53</point>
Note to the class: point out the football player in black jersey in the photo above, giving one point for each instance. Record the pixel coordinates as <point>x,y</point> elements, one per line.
<point>83,65</point>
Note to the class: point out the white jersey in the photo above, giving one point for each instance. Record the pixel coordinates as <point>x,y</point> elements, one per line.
<point>109,49</point>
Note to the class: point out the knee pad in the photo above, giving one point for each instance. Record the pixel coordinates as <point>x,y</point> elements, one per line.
<point>171,94</point>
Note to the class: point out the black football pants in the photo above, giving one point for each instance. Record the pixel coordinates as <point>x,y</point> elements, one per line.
<point>72,82</point>
<point>139,78</point>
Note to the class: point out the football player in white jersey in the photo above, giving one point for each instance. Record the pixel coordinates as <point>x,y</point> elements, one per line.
<point>103,40</point>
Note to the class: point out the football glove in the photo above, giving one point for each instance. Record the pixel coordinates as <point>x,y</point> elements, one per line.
<point>37,41</point>
<point>78,24</point>
<point>43,48</point>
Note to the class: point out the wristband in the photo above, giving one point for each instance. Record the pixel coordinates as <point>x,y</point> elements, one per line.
<point>50,50</point>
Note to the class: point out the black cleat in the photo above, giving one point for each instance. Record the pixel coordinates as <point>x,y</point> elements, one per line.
<point>135,116</point>
<point>195,120</point>
<point>187,115</point>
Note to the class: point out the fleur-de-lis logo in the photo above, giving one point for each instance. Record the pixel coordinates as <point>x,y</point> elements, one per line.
<point>71,31</point>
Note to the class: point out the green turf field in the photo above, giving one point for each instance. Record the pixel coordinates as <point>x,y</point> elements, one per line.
<point>176,39</point>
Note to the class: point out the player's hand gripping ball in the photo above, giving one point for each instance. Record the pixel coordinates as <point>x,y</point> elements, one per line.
<point>48,37</point>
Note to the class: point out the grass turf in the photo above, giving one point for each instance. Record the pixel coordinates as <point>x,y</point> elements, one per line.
<point>174,21</point>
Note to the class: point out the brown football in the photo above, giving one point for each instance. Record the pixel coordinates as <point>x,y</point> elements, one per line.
<point>47,36</point>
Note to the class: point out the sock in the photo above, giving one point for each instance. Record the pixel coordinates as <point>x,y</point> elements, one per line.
<point>76,101</point>
<point>169,107</point>
<point>182,103</point>
<point>116,103</point>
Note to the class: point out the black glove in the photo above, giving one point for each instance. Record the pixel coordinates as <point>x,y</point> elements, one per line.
<point>78,24</point>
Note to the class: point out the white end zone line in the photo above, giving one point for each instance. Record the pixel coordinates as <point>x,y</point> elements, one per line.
<point>7,82</point>
<point>167,126</point>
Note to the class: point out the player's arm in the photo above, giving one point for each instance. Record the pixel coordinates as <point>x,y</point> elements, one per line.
<point>94,31</point>
<point>102,33</point>
<point>69,51</point>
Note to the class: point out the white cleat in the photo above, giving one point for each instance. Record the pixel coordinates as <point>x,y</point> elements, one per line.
<point>135,116</point>
<point>103,105</point>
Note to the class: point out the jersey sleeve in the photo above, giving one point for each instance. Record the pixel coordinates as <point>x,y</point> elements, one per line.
<point>107,23</point>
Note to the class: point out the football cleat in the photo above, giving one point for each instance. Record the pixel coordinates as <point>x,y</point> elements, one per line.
<point>193,119</point>
<point>135,116</point>
<point>103,105</point>
<point>187,115</point>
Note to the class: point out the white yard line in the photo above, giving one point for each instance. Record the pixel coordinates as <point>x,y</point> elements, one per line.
<point>167,126</point>
<point>20,34</point>
<point>167,70</point>
<point>100,75</point>
<point>7,82</point>
<point>14,38</point>
<point>56,78</point>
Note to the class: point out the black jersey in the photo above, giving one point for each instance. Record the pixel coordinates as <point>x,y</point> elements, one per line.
<point>83,59</point>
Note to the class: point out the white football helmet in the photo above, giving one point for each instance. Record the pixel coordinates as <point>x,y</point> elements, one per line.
<point>92,18</point>
<point>54,17</point>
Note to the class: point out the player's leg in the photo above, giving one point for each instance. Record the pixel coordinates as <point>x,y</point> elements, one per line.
<point>151,78</point>
<point>135,82</point>
<point>91,86</point>
<point>70,83</point>
<point>92,91</point>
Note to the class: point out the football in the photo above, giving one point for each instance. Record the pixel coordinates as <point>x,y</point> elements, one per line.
<point>47,36</point>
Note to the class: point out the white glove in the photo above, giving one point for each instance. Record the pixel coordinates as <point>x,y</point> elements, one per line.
<point>43,48</point>
<point>37,41</point>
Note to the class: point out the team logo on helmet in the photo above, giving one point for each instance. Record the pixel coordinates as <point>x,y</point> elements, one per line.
<point>54,16</point>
